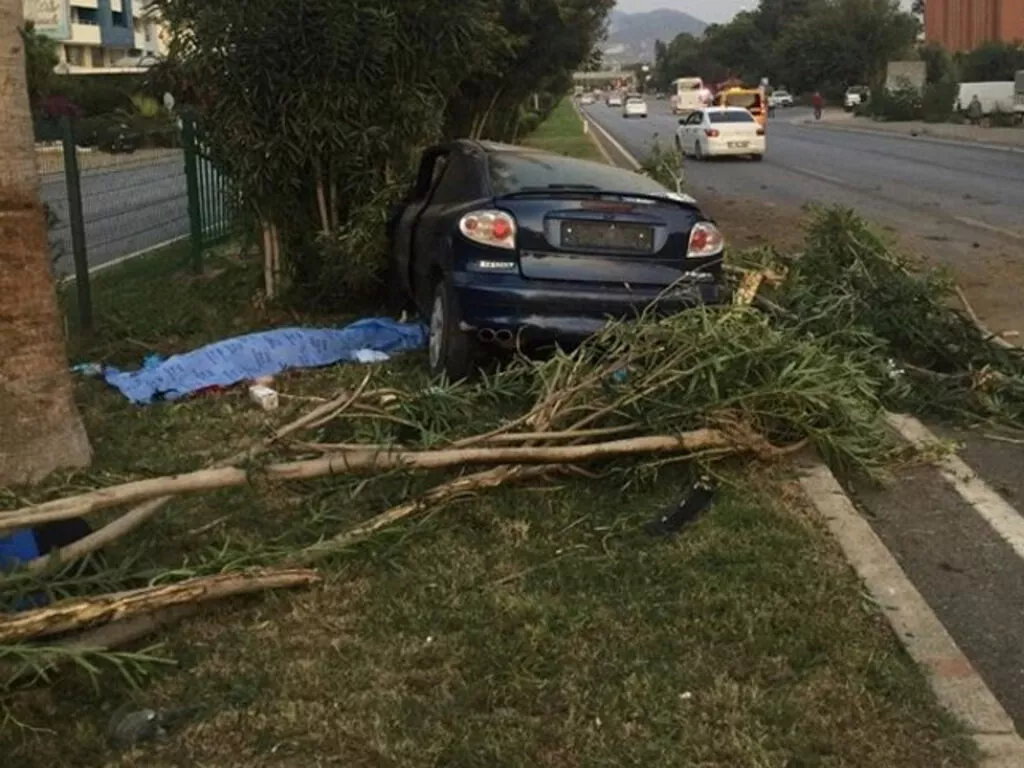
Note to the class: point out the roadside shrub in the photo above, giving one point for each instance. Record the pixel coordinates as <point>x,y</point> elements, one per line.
<point>665,166</point>
<point>938,101</point>
<point>897,104</point>
<point>1001,119</point>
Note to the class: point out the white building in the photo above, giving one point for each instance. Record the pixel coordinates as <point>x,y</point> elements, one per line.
<point>100,36</point>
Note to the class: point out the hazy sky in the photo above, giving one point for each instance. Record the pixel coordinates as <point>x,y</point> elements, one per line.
<point>707,10</point>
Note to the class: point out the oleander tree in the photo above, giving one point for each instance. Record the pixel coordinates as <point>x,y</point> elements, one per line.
<point>315,111</point>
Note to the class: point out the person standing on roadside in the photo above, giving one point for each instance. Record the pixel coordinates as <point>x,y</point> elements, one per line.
<point>975,111</point>
<point>818,102</point>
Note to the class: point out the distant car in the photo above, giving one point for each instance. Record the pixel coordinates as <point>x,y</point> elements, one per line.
<point>781,99</point>
<point>635,106</point>
<point>587,99</point>
<point>721,131</point>
<point>501,245</point>
<point>615,100</point>
<point>854,97</point>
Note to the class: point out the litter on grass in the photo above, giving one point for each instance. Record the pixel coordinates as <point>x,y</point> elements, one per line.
<point>267,353</point>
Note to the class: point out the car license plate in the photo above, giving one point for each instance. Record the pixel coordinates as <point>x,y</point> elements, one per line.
<point>635,238</point>
<point>739,144</point>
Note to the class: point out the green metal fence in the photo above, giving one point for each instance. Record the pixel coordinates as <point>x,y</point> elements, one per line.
<point>213,205</point>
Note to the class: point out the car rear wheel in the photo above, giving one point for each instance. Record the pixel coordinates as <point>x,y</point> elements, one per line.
<point>451,350</point>
<point>757,158</point>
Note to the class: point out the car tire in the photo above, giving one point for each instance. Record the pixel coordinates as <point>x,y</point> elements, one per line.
<point>757,158</point>
<point>451,351</point>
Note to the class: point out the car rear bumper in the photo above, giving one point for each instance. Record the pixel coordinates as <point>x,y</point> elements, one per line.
<point>548,310</point>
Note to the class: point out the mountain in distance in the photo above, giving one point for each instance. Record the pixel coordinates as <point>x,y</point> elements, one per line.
<point>631,36</point>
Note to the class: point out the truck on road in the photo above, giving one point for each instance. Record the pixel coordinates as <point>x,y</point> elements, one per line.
<point>994,97</point>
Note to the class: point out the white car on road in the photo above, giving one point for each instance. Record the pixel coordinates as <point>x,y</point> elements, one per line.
<point>721,131</point>
<point>635,106</point>
<point>780,99</point>
<point>615,100</point>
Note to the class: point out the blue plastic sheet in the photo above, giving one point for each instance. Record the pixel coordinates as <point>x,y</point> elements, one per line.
<point>231,361</point>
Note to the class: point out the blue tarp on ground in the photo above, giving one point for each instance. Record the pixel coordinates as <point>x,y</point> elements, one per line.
<point>231,361</point>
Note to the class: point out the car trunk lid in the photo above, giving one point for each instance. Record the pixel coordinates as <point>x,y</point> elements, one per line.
<point>616,239</point>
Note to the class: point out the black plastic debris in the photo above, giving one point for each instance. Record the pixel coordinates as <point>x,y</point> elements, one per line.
<point>696,501</point>
<point>128,728</point>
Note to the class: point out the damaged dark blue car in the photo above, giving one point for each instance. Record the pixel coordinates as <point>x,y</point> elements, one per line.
<point>503,245</point>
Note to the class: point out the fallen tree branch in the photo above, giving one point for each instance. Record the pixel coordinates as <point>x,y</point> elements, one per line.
<point>138,516</point>
<point>71,615</point>
<point>444,493</point>
<point>358,462</point>
<point>982,328</point>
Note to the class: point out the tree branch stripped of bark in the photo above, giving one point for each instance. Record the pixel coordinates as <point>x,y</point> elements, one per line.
<point>76,614</point>
<point>351,462</point>
<point>139,515</point>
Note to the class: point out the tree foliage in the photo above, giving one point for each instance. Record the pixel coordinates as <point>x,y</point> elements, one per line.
<point>41,58</point>
<point>315,109</point>
<point>992,61</point>
<point>805,44</point>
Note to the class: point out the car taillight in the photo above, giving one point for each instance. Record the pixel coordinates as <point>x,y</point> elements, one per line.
<point>494,228</point>
<point>705,240</point>
<point>712,133</point>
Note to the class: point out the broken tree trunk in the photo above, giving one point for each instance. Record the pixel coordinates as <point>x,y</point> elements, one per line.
<point>352,462</point>
<point>76,614</point>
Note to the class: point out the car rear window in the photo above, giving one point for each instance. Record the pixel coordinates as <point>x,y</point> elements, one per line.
<point>513,172</point>
<point>730,117</point>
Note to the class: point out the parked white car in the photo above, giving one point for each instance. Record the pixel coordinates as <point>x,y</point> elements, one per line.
<point>635,106</point>
<point>781,99</point>
<point>721,131</point>
<point>587,99</point>
<point>854,97</point>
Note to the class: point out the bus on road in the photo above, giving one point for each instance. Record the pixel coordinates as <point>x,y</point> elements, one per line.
<point>689,96</point>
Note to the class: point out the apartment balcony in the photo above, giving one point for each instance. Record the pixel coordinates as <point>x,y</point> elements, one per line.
<point>85,34</point>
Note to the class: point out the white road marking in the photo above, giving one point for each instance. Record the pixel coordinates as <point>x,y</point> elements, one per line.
<point>618,147</point>
<point>990,227</point>
<point>993,508</point>
<point>965,693</point>
<point>128,257</point>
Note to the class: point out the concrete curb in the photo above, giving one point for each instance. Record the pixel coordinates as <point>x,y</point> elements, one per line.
<point>955,682</point>
<point>919,138</point>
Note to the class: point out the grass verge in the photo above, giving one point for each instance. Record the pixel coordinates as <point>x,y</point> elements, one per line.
<point>530,626</point>
<point>563,133</point>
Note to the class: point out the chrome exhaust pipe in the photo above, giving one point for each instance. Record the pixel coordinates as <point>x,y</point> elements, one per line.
<point>486,335</point>
<point>504,337</point>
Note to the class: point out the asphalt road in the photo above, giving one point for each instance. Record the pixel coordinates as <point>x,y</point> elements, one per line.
<point>937,190</point>
<point>126,209</point>
<point>962,199</point>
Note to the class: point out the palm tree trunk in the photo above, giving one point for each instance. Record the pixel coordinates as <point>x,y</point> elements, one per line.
<point>40,428</point>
